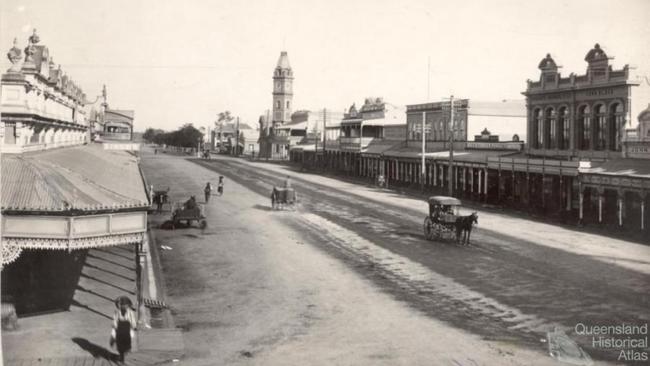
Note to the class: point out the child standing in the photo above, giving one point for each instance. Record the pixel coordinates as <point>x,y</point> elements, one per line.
<point>220,186</point>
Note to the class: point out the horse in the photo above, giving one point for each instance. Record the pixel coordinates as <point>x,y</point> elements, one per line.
<point>464,226</point>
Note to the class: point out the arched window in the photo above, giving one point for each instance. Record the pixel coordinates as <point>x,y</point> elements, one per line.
<point>563,129</point>
<point>616,123</point>
<point>550,132</point>
<point>287,104</point>
<point>600,127</point>
<point>584,121</point>
<point>278,105</point>
<point>538,125</point>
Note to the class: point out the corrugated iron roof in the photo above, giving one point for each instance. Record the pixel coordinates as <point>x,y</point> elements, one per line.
<point>85,178</point>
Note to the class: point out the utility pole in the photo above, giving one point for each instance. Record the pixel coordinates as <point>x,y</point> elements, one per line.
<point>423,167</point>
<point>451,146</point>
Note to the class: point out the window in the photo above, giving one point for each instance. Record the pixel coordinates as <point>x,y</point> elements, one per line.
<point>550,133</point>
<point>616,122</point>
<point>278,105</point>
<point>563,128</point>
<point>287,104</point>
<point>584,119</point>
<point>600,127</point>
<point>537,129</point>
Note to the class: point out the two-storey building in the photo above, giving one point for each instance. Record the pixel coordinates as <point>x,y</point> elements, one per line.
<point>61,195</point>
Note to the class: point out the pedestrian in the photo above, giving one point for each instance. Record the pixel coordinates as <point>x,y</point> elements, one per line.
<point>208,191</point>
<point>287,182</point>
<point>220,186</point>
<point>124,326</point>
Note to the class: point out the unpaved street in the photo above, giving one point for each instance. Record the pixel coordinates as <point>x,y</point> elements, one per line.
<point>350,280</point>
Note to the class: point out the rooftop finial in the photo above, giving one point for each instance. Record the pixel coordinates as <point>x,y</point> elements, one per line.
<point>14,55</point>
<point>34,38</point>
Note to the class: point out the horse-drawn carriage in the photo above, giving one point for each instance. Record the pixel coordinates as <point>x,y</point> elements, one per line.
<point>283,197</point>
<point>444,220</point>
<point>188,213</point>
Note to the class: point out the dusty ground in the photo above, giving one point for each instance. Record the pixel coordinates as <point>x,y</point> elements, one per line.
<point>348,279</point>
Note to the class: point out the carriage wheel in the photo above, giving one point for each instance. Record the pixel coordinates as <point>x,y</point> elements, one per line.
<point>203,224</point>
<point>428,228</point>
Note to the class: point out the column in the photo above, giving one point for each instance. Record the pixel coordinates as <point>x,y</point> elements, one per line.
<point>435,174</point>
<point>485,183</point>
<point>600,207</point>
<point>582,197</point>
<point>464,178</point>
<point>569,194</point>
<point>471,180</point>
<point>512,187</point>
<point>643,211</point>
<point>499,185</point>
<point>562,192</point>
<point>480,174</point>
<point>619,201</point>
<point>543,191</point>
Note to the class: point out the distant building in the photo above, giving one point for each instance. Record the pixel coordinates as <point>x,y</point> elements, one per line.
<point>273,140</point>
<point>118,124</point>
<point>224,137</point>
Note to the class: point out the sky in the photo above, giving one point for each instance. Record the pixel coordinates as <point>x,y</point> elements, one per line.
<point>177,62</point>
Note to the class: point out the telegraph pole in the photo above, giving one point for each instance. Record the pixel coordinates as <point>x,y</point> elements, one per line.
<point>451,146</point>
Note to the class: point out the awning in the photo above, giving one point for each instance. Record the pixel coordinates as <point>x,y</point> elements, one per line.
<point>637,168</point>
<point>469,156</point>
<point>384,122</point>
<point>85,178</point>
<point>71,198</point>
<point>378,148</point>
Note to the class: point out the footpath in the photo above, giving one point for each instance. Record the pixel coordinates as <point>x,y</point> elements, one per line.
<point>80,336</point>
<point>610,250</point>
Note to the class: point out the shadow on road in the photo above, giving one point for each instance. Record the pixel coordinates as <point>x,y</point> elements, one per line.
<point>95,350</point>
<point>263,207</point>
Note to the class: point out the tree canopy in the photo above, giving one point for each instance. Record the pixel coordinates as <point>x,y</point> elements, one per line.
<point>185,136</point>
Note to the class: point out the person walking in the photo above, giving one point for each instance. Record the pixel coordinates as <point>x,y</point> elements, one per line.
<point>287,182</point>
<point>124,326</point>
<point>220,186</point>
<point>208,191</point>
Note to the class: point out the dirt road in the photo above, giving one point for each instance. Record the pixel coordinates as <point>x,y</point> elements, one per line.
<point>349,280</point>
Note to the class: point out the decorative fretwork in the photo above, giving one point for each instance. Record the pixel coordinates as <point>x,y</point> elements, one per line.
<point>9,254</point>
<point>73,244</point>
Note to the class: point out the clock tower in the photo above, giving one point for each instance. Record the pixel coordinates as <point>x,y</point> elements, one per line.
<point>282,91</point>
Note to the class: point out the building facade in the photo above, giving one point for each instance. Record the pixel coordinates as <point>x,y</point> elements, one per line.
<point>42,108</point>
<point>61,195</point>
<point>576,129</point>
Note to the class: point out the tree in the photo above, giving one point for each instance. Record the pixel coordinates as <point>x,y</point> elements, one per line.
<point>151,133</point>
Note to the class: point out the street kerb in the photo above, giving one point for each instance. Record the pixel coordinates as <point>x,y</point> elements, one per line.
<point>155,265</point>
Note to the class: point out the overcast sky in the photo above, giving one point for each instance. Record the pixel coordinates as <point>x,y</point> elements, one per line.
<point>175,62</point>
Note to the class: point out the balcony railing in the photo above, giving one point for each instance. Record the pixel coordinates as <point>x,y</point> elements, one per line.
<point>122,136</point>
<point>355,141</point>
